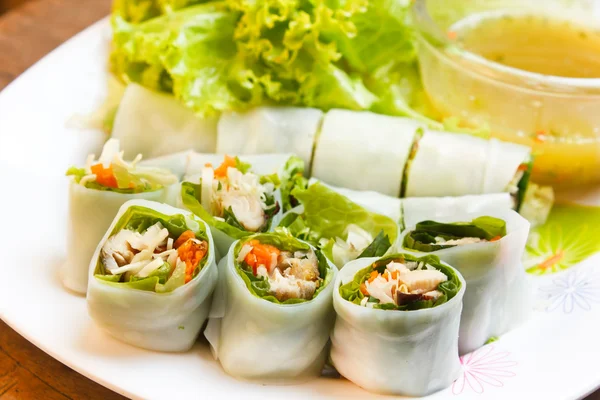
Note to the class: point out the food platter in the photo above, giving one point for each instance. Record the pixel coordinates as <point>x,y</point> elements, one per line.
<point>551,356</point>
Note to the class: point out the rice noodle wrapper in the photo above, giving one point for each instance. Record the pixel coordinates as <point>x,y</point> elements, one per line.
<point>91,212</point>
<point>410,353</point>
<point>499,292</point>
<point>258,340</point>
<point>155,321</point>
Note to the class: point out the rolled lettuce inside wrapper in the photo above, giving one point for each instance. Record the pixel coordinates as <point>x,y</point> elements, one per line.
<point>272,311</point>
<point>396,330</point>
<point>266,130</point>
<point>417,209</point>
<point>364,151</point>
<point>342,229</point>
<point>233,199</point>
<point>156,124</point>
<point>487,250</point>
<point>152,277</point>
<point>96,192</point>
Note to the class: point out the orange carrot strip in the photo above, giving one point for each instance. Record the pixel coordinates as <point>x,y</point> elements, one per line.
<point>363,289</point>
<point>105,176</point>
<point>184,238</point>
<point>373,276</point>
<point>495,238</point>
<point>221,170</point>
<point>192,252</point>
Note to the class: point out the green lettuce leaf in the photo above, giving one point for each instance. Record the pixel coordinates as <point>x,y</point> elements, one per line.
<point>236,54</point>
<point>351,290</point>
<point>423,237</point>
<point>378,247</point>
<point>259,286</point>
<point>292,176</point>
<point>327,214</point>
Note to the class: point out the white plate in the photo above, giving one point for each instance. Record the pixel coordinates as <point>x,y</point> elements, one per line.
<point>553,356</point>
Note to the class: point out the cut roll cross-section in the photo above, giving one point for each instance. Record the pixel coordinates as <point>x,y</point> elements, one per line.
<point>272,312</point>
<point>487,249</point>
<point>233,199</point>
<point>363,150</point>
<point>152,277</point>
<point>96,192</point>
<point>396,330</point>
<point>342,229</point>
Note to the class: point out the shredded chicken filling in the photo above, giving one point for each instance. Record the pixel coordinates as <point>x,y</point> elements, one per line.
<point>228,189</point>
<point>139,255</point>
<point>290,275</point>
<point>402,283</point>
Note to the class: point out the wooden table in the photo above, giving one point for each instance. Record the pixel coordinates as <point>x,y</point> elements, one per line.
<point>27,33</point>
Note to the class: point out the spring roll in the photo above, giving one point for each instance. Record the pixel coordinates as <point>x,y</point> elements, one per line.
<point>396,330</point>
<point>364,151</point>
<point>152,277</point>
<point>343,230</point>
<point>272,312</point>
<point>266,130</point>
<point>487,250</point>
<point>262,164</point>
<point>452,164</point>
<point>95,194</point>
<point>156,124</point>
<point>234,200</point>
<point>416,209</point>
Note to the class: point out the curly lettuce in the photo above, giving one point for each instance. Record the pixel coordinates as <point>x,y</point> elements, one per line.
<point>235,54</point>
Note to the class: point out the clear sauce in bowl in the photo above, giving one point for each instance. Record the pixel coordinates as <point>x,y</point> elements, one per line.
<point>531,79</point>
<point>533,43</point>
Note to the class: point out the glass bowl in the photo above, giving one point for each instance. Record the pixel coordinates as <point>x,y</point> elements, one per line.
<point>558,117</point>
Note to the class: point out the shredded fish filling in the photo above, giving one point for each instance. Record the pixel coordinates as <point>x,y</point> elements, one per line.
<point>290,275</point>
<point>139,255</point>
<point>402,283</point>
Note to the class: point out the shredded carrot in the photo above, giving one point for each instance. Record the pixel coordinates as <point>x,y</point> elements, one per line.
<point>184,237</point>
<point>192,252</point>
<point>451,35</point>
<point>221,170</point>
<point>261,254</point>
<point>523,167</point>
<point>105,176</point>
<point>552,260</point>
<point>208,165</point>
<point>495,238</point>
<point>363,289</point>
<point>395,275</point>
<point>373,276</point>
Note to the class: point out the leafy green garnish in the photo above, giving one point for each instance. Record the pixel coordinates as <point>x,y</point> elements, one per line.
<point>241,166</point>
<point>351,290</point>
<point>233,54</point>
<point>378,247</point>
<point>292,177</point>
<point>259,286</point>
<point>327,214</point>
<point>423,237</point>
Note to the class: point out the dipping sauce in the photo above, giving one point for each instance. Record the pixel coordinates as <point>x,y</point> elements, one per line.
<point>555,111</point>
<point>533,43</point>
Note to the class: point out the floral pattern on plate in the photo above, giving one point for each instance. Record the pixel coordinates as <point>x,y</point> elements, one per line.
<point>570,236</point>
<point>577,289</point>
<point>482,368</point>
